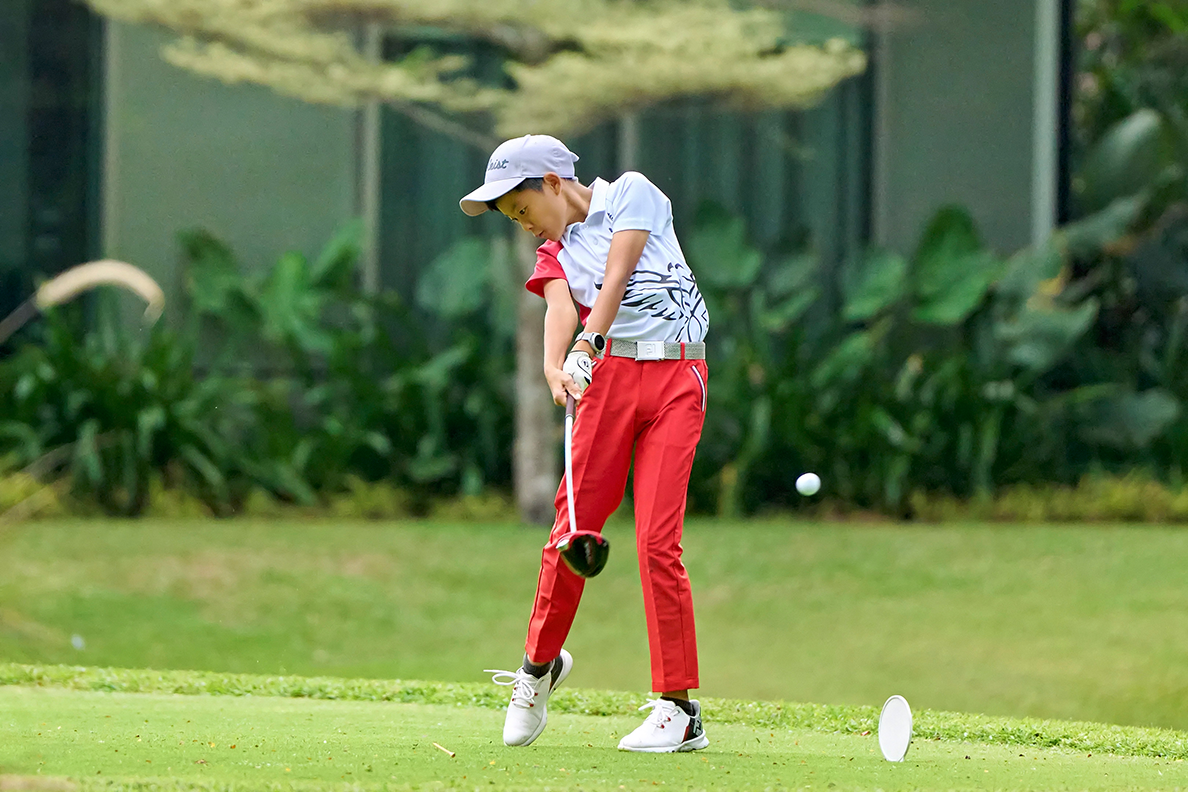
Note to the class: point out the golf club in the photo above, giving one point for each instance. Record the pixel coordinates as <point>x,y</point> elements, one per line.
<point>584,552</point>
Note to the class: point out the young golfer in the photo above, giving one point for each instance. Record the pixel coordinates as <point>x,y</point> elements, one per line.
<point>612,262</point>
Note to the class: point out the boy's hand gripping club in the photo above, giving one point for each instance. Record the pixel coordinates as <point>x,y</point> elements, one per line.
<point>584,552</point>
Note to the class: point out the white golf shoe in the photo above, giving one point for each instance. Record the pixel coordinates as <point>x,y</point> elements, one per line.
<point>527,713</point>
<point>667,730</point>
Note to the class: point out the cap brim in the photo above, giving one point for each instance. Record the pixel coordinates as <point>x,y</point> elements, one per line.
<point>475,203</point>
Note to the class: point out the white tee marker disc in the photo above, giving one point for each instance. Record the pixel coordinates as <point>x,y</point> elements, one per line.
<point>895,729</point>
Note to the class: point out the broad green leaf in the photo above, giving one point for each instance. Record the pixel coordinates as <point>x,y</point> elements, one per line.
<point>1127,159</point>
<point>25,437</point>
<point>457,282</point>
<point>759,430</point>
<point>1158,262</point>
<point>148,422</point>
<point>779,317</point>
<point>873,283</point>
<point>86,453</point>
<point>1089,235</point>
<point>292,306</point>
<point>131,475</point>
<point>966,285</point>
<point>472,479</point>
<point>1130,421</point>
<point>25,387</point>
<point>334,268</point>
<point>1038,338</point>
<point>847,362</point>
<point>430,464</point>
<point>76,401</point>
<point>285,479</point>
<point>206,469</point>
<point>891,430</point>
<point>1173,15</point>
<point>378,443</point>
<point>303,453</point>
<point>1028,268</point>
<point>435,374</point>
<point>213,281</point>
<point>792,274</point>
<point>950,236</point>
<point>719,252</point>
<point>507,284</point>
<point>201,246</point>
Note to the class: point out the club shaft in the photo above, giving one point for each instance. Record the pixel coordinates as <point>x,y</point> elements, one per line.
<point>17,319</point>
<point>570,409</point>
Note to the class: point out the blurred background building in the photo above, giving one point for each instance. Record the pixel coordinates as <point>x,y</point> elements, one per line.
<point>958,266</point>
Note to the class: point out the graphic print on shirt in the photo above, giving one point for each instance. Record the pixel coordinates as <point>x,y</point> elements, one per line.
<point>670,296</point>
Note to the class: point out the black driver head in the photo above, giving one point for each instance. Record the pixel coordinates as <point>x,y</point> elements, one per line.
<point>584,552</point>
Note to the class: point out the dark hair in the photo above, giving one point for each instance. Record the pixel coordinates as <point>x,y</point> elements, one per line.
<point>535,183</point>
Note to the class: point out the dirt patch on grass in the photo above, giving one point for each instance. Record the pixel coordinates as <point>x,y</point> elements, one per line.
<point>201,576</point>
<point>15,622</point>
<point>217,582</point>
<point>16,783</point>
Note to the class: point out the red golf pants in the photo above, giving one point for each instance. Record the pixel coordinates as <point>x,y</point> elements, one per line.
<point>656,409</point>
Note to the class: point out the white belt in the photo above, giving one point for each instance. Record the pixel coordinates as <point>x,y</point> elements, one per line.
<point>655,350</point>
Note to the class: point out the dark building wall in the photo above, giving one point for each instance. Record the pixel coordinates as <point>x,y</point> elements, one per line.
<point>14,133</point>
<point>50,138</point>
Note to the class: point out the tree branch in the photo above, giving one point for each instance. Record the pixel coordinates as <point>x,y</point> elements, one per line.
<point>446,125</point>
<point>882,16</point>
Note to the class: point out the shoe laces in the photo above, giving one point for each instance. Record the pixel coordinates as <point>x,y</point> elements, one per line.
<point>524,686</point>
<point>662,712</point>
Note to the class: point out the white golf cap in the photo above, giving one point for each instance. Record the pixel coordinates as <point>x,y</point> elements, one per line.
<point>528,157</point>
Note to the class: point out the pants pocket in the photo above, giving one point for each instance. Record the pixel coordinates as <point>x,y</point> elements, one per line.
<point>700,384</point>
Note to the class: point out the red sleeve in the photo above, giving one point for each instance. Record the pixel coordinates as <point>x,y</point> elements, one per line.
<point>547,268</point>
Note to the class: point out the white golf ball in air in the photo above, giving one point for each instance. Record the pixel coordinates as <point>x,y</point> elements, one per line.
<point>808,484</point>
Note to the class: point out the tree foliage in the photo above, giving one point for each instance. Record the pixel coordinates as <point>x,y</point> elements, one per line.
<point>1132,55</point>
<point>567,64</point>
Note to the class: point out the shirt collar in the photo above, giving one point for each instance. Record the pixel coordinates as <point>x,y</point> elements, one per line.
<point>598,190</point>
<point>597,199</point>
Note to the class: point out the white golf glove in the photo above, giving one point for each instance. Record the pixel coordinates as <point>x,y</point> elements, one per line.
<point>580,366</point>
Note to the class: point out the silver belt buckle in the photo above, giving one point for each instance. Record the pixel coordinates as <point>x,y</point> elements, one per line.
<point>649,350</point>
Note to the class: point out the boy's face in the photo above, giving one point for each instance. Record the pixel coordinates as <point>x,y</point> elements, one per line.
<point>541,212</point>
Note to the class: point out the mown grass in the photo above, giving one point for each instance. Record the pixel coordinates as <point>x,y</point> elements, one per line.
<point>838,719</point>
<point>1081,623</point>
<point>80,728</point>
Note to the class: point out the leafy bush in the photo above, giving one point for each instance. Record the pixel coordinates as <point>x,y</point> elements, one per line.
<point>112,410</point>
<point>283,386</point>
<point>1135,497</point>
<point>1130,143</point>
<point>488,507</point>
<point>953,371</point>
<point>370,501</point>
<point>368,385</point>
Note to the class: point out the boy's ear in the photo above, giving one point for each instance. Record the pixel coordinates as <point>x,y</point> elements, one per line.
<point>553,182</point>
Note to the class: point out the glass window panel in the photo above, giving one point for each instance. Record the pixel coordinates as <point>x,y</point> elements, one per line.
<point>49,94</point>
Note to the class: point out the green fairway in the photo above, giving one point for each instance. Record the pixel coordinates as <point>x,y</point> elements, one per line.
<point>1087,623</point>
<point>117,740</point>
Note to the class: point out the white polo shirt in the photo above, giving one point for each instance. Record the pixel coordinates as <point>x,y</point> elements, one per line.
<point>662,301</point>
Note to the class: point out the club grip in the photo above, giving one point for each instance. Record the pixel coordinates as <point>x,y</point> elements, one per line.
<point>84,277</point>
<point>570,405</point>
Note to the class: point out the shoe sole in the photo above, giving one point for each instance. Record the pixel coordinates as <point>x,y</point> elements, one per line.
<point>696,744</point>
<point>566,667</point>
